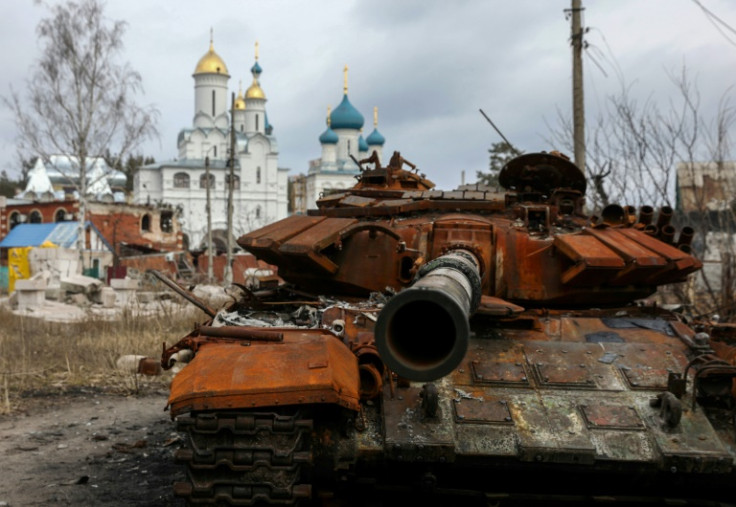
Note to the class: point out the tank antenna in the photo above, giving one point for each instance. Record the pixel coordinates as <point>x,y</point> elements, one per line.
<point>496,129</point>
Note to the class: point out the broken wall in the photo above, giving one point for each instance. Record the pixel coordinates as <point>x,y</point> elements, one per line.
<point>145,226</point>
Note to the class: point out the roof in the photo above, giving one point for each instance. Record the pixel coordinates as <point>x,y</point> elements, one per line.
<point>62,234</point>
<point>191,163</point>
<point>375,138</point>
<point>211,63</point>
<point>329,137</point>
<point>28,235</point>
<point>345,116</point>
<point>64,170</point>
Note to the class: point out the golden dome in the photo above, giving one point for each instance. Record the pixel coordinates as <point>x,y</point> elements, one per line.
<point>255,91</point>
<point>211,63</point>
<point>239,100</point>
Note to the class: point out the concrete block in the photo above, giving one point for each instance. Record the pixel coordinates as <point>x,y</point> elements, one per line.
<point>80,284</point>
<point>31,293</point>
<point>30,284</point>
<point>78,299</point>
<point>42,275</point>
<point>125,297</point>
<point>108,297</point>
<point>123,283</point>
<point>54,292</point>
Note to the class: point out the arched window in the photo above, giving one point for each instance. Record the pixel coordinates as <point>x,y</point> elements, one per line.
<point>214,151</point>
<point>35,217</point>
<point>213,102</point>
<point>258,212</point>
<point>256,123</point>
<point>348,146</point>
<point>236,181</point>
<point>13,219</point>
<point>60,215</point>
<point>181,180</point>
<point>258,174</point>
<point>203,181</point>
<point>167,221</point>
<point>146,223</point>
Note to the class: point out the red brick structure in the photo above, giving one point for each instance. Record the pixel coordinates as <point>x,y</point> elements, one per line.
<point>136,229</point>
<point>241,262</point>
<point>131,229</point>
<point>16,211</point>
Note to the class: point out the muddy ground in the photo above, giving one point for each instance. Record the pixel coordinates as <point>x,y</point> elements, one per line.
<point>88,448</point>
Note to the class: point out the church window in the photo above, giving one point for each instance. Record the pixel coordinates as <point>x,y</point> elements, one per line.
<point>167,221</point>
<point>146,223</point>
<point>213,102</point>
<point>258,212</point>
<point>258,175</point>
<point>60,215</point>
<point>36,217</point>
<point>236,181</point>
<point>14,219</point>
<point>203,181</point>
<point>181,180</point>
<point>348,147</point>
<point>242,127</point>
<point>256,122</point>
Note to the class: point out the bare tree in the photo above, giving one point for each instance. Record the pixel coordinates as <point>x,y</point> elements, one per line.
<point>646,152</point>
<point>80,98</point>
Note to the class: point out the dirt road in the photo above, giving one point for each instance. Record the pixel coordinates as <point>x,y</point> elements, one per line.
<point>89,448</point>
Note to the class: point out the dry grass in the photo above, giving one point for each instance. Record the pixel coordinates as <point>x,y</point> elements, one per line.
<point>47,357</point>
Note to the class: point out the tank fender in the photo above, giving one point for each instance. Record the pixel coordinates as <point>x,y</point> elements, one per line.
<point>306,367</point>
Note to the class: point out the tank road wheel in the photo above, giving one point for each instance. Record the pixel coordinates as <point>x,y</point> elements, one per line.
<point>244,458</point>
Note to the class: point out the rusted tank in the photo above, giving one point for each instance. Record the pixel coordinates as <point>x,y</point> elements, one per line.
<point>459,348</point>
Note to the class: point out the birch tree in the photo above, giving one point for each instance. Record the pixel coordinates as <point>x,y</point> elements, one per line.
<point>80,98</point>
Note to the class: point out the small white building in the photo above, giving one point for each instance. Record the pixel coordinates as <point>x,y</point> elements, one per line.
<point>58,179</point>
<point>260,186</point>
<point>336,170</point>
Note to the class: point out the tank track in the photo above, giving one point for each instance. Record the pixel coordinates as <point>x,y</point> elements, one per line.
<point>244,458</point>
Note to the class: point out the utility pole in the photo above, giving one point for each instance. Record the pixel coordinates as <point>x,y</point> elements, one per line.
<point>578,106</point>
<point>210,275</point>
<point>231,161</point>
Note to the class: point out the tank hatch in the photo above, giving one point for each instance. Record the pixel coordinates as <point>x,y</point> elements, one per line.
<point>541,172</point>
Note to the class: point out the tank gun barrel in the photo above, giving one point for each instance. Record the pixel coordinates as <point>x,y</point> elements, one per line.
<point>422,333</point>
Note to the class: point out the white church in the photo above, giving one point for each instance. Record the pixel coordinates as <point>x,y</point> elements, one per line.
<point>259,185</point>
<point>341,141</point>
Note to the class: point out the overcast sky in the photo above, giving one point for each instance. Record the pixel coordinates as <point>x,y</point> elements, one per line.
<point>428,65</point>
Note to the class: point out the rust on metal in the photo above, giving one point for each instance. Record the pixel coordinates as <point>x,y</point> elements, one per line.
<point>248,333</point>
<point>229,375</point>
<point>438,338</point>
